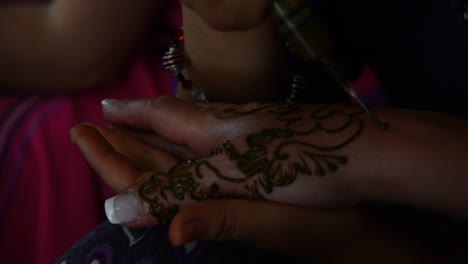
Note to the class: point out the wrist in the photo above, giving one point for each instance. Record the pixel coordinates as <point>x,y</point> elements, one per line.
<point>418,162</point>
<point>371,157</point>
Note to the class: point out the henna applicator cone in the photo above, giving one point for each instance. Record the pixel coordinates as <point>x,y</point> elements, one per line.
<point>312,42</point>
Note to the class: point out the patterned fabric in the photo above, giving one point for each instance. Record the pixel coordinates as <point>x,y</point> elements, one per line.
<point>115,244</point>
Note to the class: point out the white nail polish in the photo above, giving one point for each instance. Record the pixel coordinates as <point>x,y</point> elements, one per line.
<point>124,208</point>
<point>190,247</point>
<point>107,102</point>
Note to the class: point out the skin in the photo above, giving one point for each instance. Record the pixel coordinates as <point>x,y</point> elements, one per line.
<point>119,153</point>
<point>251,70</point>
<point>265,162</point>
<point>231,15</point>
<point>380,162</point>
<point>310,236</point>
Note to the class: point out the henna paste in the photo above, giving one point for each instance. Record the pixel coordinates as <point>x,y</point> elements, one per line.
<point>266,164</point>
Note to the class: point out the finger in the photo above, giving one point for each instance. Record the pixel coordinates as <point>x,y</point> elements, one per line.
<point>229,15</point>
<point>253,222</point>
<point>180,122</point>
<point>201,127</point>
<point>150,138</point>
<point>114,168</point>
<point>156,199</point>
<point>145,157</point>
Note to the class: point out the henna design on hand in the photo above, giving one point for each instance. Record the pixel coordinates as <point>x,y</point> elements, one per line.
<point>274,157</point>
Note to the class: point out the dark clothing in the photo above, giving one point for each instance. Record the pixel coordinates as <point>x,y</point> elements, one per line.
<point>418,48</point>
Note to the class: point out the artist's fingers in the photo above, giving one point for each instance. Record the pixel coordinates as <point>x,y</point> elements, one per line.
<point>145,157</point>
<point>178,121</point>
<point>114,168</point>
<point>229,15</point>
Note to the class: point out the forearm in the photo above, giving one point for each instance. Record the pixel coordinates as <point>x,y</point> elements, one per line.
<point>68,44</point>
<point>420,161</point>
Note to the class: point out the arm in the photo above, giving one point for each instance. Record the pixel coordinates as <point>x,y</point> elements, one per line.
<point>421,162</point>
<point>68,45</point>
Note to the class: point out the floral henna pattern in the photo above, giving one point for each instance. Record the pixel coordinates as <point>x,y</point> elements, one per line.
<point>178,182</point>
<point>273,158</point>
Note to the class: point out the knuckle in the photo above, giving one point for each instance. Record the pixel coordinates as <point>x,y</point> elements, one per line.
<point>160,101</point>
<point>228,225</point>
<point>213,128</point>
<point>209,117</point>
<point>106,159</point>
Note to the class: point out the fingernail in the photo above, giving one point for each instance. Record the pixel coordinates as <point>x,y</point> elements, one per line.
<point>124,208</point>
<point>190,247</point>
<point>107,102</point>
<point>72,135</point>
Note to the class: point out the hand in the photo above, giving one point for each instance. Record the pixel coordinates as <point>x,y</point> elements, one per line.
<point>313,156</point>
<point>121,160</point>
<point>307,235</point>
<point>121,156</point>
<point>283,153</point>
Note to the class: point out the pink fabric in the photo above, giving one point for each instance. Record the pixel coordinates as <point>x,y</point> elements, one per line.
<point>368,88</point>
<point>49,196</point>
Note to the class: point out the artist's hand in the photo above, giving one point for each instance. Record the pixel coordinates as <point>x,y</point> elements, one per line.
<point>277,152</point>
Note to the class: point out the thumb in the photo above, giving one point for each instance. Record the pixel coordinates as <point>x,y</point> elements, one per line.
<point>266,225</point>
<point>315,236</point>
